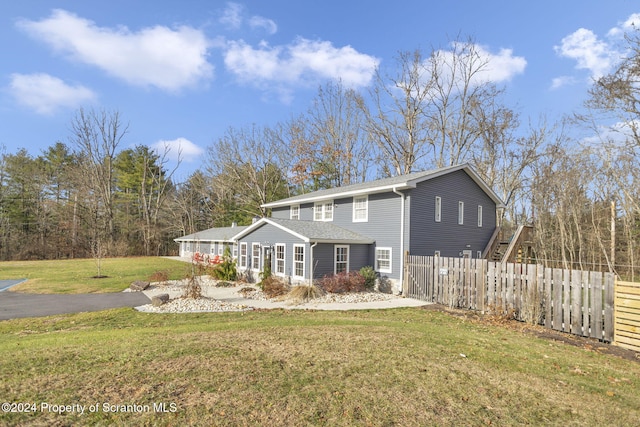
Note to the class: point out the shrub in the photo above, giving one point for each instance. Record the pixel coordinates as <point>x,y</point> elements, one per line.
<point>370,277</point>
<point>274,287</point>
<point>343,282</point>
<point>302,293</point>
<point>226,270</point>
<point>193,289</point>
<point>159,276</point>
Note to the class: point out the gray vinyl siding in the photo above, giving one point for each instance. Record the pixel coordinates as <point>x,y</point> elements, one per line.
<point>447,236</point>
<point>382,225</point>
<point>268,235</point>
<point>306,212</point>
<point>324,261</point>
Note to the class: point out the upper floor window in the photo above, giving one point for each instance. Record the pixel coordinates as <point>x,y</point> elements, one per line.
<point>360,208</point>
<point>323,211</point>
<point>294,212</point>
<point>461,212</point>
<point>479,215</point>
<point>438,205</point>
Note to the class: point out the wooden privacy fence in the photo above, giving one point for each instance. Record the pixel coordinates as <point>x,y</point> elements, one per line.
<point>573,301</point>
<point>627,315</point>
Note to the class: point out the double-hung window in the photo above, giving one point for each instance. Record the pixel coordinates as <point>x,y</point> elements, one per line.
<point>294,212</point>
<point>243,255</point>
<point>383,260</point>
<point>255,256</point>
<point>323,211</point>
<point>360,209</point>
<point>280,259</point>
<point>341,259</point>
<point>298,260</point>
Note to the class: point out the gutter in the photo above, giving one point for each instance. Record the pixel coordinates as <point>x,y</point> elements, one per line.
<point>402,213</point>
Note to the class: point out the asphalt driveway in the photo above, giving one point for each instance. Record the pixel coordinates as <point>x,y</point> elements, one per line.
<point>14,305</point>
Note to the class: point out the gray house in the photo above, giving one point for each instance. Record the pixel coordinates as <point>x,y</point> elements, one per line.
<point>209,243</point>
<point>448,212</point>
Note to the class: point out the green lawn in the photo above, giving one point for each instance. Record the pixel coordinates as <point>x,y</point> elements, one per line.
<point>400,367</point>
<point>390,367</point>
<point>78,275</point>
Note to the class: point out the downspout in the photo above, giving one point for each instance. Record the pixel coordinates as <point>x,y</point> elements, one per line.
<point>311,263</point>
<point>402,212</point>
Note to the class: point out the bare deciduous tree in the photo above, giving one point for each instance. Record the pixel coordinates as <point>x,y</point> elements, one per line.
<point>96,135</point>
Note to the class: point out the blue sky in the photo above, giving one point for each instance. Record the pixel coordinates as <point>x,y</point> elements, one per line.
<point>183,72</point>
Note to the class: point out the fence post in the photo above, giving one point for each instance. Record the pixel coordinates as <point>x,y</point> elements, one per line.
<point>609,284</point>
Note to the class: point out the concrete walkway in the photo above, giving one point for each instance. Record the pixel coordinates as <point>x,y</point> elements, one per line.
<point>15,305</point>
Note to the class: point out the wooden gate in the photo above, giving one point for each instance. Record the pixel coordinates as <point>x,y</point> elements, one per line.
<point>627,315</point>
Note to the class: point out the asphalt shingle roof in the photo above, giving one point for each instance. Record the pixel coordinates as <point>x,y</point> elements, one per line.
<point>219,234</point>
<point>314,231</point>
<point>384,184</point>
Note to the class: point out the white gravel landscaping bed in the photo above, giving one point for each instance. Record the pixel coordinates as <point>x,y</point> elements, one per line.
<point>240,297</point>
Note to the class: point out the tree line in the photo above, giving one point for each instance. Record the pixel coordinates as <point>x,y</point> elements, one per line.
<point>91,197</point>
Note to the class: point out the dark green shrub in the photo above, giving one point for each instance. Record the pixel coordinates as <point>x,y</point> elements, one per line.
<point>226,270</point>
<point>370,277</point>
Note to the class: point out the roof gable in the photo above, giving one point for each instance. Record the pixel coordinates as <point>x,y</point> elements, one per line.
<point>309,231</point>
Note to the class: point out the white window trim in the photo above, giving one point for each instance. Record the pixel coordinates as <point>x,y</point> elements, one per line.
<point>296,209</point>
<point>479,215</point>
<point>220,249</point>
<point>438,209</point>
<point>321,207</point>
<point>366,209</point>
<point>335,257</point>
<point>253,246</point>
<point>283,259</point>
<point>460,212</point>
<point>385,270</point>
<point>234,253</point>
<point>293,273</point>
<point>243,262</point>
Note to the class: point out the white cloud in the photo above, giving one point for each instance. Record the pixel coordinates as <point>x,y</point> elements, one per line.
<point>169,59</point>
<point>45,94</point>
<point>597,55</point>
<point>589,52</point>
<point>265,23</point>
<point>497,68</point>
<point>232,15</point>
<point>561,81</point>
<point>301,63</point>
<point>632,23</point>
<point>178,149</point>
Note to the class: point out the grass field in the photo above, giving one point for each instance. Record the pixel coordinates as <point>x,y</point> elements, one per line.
<point>400,367</point>
<point>78,275</point>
